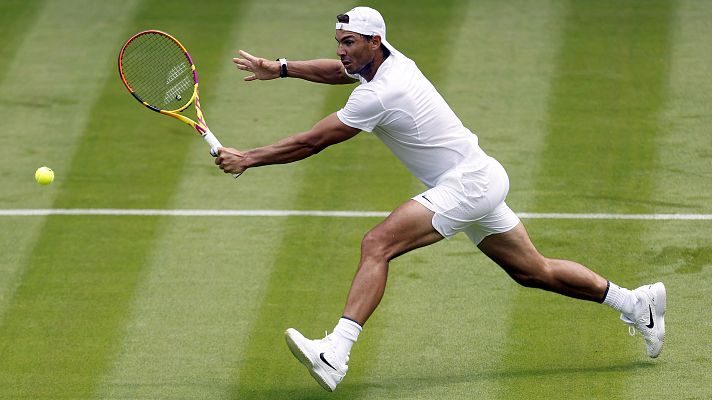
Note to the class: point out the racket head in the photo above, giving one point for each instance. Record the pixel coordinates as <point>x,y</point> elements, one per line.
<point>158,71</point>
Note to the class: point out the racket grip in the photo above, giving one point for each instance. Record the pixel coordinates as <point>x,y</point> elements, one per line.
<point>214,144</point>
<point>212,141</point>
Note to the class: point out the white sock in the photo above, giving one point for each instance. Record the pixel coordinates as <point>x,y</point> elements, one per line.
<point>620,299</point>
<point>345,335</point>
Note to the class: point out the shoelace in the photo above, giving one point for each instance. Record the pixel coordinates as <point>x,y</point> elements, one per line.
<point>630,323</point>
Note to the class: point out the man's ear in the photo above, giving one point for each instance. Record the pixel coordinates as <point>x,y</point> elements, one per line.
<point>376,41</point>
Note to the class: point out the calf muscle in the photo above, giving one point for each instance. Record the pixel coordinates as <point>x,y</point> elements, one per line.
<point>514,252</point>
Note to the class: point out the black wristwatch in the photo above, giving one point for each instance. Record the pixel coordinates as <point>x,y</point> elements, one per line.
<point>282,67</point>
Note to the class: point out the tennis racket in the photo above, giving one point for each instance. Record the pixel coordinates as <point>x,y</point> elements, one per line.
<point>159,73</point>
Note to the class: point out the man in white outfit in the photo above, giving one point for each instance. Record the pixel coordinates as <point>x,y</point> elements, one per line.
<point>466,189</point>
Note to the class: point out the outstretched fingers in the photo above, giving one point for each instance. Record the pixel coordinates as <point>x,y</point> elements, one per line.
<point>248,63</point>
<point>256,65</point>
<point>247,55</point>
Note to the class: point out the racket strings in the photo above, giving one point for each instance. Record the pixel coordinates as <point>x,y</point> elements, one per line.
<point>158,70</point>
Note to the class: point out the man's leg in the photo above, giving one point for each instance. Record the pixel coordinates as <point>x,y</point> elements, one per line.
<point>408,227</point>
<point>515,253</point>
<point>642,308</point>
<point>405,229</point>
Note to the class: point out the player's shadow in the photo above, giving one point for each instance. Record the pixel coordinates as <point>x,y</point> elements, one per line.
<point>357,388</point>
<point>513,373</point>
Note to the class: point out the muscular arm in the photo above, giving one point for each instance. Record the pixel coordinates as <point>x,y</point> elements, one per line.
<point>320,71</point>
<point>325,133</point>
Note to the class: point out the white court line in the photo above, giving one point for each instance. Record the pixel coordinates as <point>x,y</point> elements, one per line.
<point>677,217</point>
<point>191,213</point>
<point>318,213</point>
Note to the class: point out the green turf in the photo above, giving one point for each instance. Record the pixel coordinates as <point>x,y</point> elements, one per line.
<point>16,15</point>
<point>592,107</point>
<point>606,100</point>
<point>606,97</point>
<point>390,185</point>
<point>84,324</point>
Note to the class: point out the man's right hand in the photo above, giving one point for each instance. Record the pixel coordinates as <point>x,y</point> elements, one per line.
<point>261,68</point>
<point>230,160</point>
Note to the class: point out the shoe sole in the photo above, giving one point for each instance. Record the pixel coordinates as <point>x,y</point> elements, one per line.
<point>660,307</point>
<point>304,359</point>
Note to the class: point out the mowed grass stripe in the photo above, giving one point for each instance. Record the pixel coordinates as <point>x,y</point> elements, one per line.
<point>49,84</point>
<point>603,116</point>
<point>317,258</point>
<point>48,98</point>
<point>269,111</point>
<point>16,19</point>
<point>449,305</point>
<point>251,114</point>
<point>500,87</point>
<point>681,252</point>
<point>36,94</point>
<point>603,112</point>
<point>685,148</point>
<point>193,309</point>
<point>206,277</point>
<point>62,328</point>
<point>267,368</point>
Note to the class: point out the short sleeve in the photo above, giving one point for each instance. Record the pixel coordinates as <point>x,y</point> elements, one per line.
<point>363,110</point>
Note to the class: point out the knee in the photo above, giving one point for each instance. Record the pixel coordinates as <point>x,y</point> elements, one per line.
<point>374,246</point>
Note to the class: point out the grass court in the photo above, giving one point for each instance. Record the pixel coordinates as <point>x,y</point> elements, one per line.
<point>592,106</point>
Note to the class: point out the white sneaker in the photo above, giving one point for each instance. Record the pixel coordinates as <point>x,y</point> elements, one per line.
<point>649,316</point>
<point>319,357</point>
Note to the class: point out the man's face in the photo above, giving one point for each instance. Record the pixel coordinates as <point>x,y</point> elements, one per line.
<point>354,51</point>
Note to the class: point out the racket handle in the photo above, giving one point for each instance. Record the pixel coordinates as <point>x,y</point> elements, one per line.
<point>214,144</point>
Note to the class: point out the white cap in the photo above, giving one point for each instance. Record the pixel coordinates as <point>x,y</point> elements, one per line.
<point>366,21</point>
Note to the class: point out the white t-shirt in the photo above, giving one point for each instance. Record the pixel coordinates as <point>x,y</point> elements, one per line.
<point>403,109</point>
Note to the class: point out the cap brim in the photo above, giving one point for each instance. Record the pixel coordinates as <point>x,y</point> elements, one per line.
<point>389,46</point>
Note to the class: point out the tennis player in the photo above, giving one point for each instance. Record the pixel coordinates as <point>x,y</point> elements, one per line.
<point>466,189</point>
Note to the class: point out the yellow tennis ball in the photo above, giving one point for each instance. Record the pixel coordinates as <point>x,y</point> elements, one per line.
<point>44,175</point>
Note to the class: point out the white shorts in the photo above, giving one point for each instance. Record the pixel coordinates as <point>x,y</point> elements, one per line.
<point>471,202</point>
